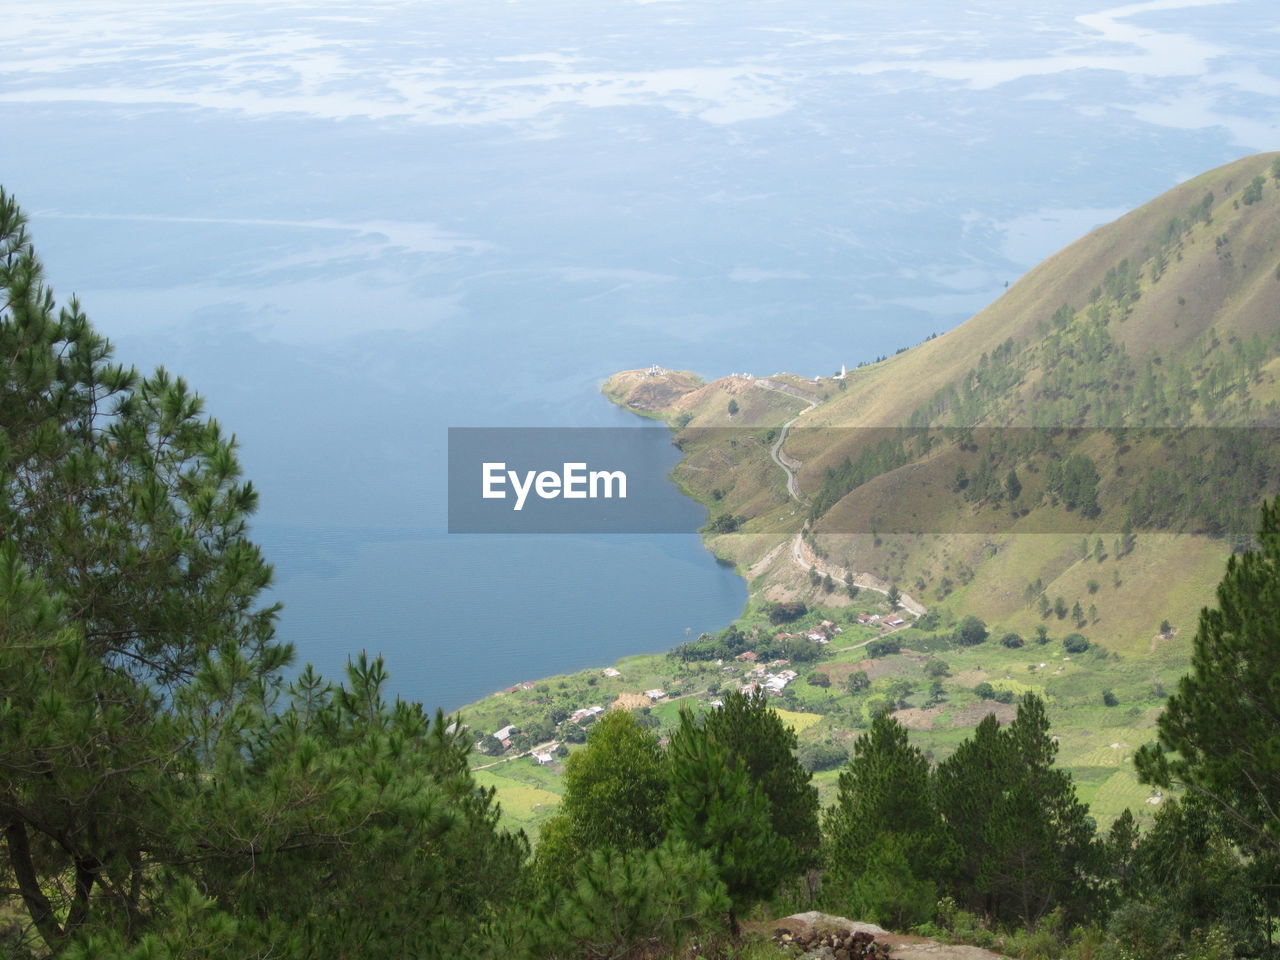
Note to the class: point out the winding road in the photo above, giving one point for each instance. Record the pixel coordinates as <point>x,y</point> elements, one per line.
<point>800,552</point>
<point>775,452</point>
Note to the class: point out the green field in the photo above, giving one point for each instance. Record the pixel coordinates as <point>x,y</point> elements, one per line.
<point>1096,741</point>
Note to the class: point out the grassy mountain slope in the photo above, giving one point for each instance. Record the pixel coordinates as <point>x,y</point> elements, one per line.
<point>1165,318</point>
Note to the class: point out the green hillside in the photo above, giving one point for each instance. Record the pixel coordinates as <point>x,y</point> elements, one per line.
<point>1112,379</point>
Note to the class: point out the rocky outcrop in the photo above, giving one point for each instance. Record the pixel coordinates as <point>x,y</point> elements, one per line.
<point>821,936</point>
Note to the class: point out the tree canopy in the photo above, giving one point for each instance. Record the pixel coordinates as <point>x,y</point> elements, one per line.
<point>161,785</point>
<point>1219,735</point>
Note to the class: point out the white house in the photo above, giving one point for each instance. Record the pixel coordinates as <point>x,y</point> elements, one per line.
<point>505,732</point>
<point>655,694</point>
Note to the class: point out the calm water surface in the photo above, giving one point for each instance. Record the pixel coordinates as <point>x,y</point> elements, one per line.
<point>353,225</point>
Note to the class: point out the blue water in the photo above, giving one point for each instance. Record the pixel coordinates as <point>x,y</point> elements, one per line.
<point>353,225</point>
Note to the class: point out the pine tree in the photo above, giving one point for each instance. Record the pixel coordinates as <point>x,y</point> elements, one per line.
<point>967,786</point>
<point>1012,485</point>
<point>884,803</point>
<point>163,792</point>
<point>1219,735</point>
<point>123,511</point>
<point>714,806</point>
<point>1119,850</point>
<point>1024,842</point>
<point>1187,875</point>
<point>762,744</point>
<point>631,904</point>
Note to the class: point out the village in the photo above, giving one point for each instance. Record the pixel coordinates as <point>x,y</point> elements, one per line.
<point>748,672</point>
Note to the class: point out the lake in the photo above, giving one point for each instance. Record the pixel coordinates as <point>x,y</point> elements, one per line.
<point>354,225</point>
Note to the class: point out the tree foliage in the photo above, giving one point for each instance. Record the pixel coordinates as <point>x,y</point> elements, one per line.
<point>631,904</point>
<point>760,743</point>
<point>883,837</point>
<point>615,793</point>
<point>1219,734</point>
<point>1024,842</point>
<point>162,790</point>
<point>715,807</point>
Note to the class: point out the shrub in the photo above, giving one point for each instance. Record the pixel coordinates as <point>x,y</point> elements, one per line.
<point>821,756</point>
<point>936,668</point>
<point>632,904</point>
<point>883,648</point>
<point>1075,643</point>
<point>786,612</point>
<point>971,631</point>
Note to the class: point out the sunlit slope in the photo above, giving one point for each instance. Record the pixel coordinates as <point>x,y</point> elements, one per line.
<point>1166,317</point>
<point>1204,282</point>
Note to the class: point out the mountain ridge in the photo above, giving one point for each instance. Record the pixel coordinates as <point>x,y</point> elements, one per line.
<point>1162,319</point>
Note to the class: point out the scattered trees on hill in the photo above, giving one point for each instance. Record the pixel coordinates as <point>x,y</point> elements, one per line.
<point>819,755</point>
<point>884,647</point>
<point>724,523</point>
<point>780,613</point>
<point>1253,192</point>
<point>858,682</point>
<point>1075,643</point>
<point>935,668</point>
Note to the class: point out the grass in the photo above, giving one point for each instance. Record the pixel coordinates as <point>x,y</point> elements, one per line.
<point>799,722</point>
<point>525,803</point>
<point>1070,684</point>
